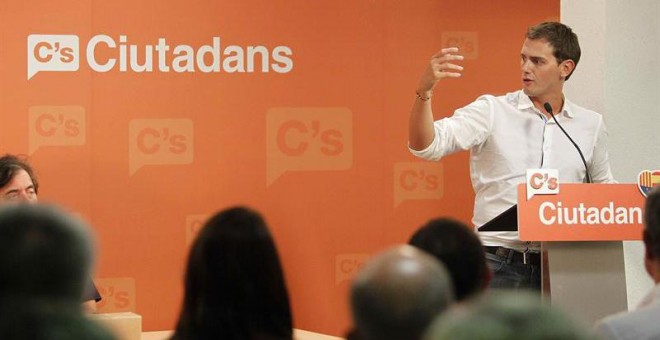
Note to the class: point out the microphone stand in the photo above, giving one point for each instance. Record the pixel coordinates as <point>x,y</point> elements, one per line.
<point>548,108</point>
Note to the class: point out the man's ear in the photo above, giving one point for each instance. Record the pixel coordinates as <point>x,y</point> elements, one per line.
<point>566,68</point>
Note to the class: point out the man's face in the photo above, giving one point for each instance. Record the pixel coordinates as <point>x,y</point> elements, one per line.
<point>541,74</point>
<point>20,189</point>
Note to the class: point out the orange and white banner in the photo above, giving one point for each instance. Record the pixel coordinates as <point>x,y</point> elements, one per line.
<point>582,212</point>
<point>147,117</point>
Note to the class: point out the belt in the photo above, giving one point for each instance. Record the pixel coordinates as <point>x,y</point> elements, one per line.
<point>513,256</point>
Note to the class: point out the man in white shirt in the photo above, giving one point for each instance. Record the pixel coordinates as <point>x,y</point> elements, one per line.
<point>509,134</point>
<point>643,322</point>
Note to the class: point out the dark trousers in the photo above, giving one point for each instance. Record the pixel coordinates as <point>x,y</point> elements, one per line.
<point>509,274</point>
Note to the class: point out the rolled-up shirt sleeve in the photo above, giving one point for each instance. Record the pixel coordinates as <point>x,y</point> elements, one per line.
<point>467,128</point>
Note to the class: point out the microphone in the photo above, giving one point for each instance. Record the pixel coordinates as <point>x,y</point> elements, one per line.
<point>548,108</point>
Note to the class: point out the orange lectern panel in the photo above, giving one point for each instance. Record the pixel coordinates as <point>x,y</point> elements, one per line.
<point>582,212</point>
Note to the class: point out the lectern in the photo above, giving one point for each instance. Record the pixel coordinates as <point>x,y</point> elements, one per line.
<point>581,229</point>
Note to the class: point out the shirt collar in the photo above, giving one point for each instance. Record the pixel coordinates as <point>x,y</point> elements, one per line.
<point>568,108</point>
<point>525,103</point>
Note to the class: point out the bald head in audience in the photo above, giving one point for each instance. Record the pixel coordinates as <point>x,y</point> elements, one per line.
<point>398,293</point>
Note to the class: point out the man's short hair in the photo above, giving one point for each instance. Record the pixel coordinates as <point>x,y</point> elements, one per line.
<point>10,164</point>
<point>652,223</point>
<point>506,315</point>
<point>397,294</point>
<point>561,38</point>
<point>44,253</point>
<point>459,249</point>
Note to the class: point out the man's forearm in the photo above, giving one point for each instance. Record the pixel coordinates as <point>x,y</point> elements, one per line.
<point>420,124</point>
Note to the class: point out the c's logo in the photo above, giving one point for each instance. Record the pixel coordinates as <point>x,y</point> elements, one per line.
<point>467,43</point>
<point>348,265</point>
<point>542,182</point>
<point>118,294</point>
<point>417,180</point>
<point>308,139</point>
<point>52,53</point>
<point>159,142</point>
<point>56,126</point>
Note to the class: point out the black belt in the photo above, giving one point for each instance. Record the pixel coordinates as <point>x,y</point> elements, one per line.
<point>514,256</point>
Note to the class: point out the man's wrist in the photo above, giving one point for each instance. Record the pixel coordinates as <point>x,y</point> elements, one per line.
<point>424,95</point>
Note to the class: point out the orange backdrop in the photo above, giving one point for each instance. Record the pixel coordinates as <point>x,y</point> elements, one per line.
<point>296,108</point>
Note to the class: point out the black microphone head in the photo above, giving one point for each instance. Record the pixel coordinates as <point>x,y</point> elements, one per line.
<point>547,107</point>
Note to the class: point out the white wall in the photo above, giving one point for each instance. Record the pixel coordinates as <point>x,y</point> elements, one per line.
<point>619,76</point>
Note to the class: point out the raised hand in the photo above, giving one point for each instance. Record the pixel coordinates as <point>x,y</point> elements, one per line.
<point>442,65</point>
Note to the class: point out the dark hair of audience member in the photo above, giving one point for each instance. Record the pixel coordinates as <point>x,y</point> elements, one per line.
<point>459,249</point>
<point>44,253</point>
<point>45,258</point>
<point>10,164</point>
<point>234,284</point>
<point>652,224</point>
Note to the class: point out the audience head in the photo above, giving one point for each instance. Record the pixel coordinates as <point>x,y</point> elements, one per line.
<point>398,293</point>
<point>460,250</point>
<point>503,316</point>
<point>651,234</point>
<point>17,180</point>
<point>45,257</point>
<point>44,254</point>
<point>234,284</point>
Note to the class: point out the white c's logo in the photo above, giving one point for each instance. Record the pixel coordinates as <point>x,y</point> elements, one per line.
<point>52,53</point>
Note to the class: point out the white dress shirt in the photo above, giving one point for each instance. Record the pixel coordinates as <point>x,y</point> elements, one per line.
<point>507,135</point>
<point>641,324</point>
